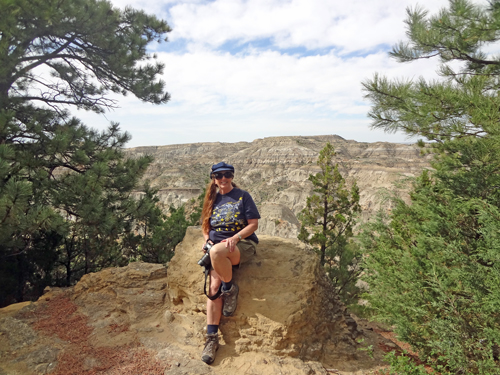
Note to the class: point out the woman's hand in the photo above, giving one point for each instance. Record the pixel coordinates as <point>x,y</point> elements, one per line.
<point>203,246</point>
<point>231,243</point>
<point>251,227</point>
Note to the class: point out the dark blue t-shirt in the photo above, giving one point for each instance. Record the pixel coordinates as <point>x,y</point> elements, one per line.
<point>230,214</point>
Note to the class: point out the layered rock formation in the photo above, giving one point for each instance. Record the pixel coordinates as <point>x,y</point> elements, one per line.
<point>286,304</point>
<point>275,171</point>
<point>288,321</point>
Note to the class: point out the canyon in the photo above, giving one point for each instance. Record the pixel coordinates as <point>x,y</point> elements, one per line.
<point>275,171</point>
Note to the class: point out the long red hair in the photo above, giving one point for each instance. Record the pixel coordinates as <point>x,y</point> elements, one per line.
<point>208,204</point>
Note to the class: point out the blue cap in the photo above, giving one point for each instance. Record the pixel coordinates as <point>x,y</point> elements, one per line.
<point>219,167</point>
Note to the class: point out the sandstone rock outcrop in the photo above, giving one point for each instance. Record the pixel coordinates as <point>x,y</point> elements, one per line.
<point>288,319</point>
<point>286,306</point>
<point>275,171</point>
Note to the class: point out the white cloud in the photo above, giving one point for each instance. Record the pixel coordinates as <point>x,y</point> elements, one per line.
<point>219,82</point>
<point>221,95</point>
<point>350,25</point>
<point>257,95</point>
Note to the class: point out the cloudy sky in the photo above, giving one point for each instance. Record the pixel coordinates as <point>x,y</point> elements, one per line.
<point>238,70</point>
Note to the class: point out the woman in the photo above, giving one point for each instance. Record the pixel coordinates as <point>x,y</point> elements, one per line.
<point>230,219</point>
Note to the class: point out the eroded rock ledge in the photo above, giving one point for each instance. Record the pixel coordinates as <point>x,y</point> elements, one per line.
<point>288,319</point>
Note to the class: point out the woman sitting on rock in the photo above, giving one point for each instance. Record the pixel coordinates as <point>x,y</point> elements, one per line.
<point>230,218</point>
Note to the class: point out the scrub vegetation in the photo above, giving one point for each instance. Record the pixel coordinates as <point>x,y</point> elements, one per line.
<point>66,204</point>
<point>433,265</point>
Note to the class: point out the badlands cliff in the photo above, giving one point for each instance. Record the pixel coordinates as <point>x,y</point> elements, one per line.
<point>147,319</point>
<point>275,171</point>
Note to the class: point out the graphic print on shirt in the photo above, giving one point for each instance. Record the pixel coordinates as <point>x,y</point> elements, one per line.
<point>228,217</point>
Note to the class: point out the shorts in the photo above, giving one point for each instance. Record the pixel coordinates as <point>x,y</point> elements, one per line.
<point>248,249</point>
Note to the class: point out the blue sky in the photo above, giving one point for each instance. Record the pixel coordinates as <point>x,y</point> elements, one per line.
<point>239,70</point>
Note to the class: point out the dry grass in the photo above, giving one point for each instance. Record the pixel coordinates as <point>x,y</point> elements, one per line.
<point>59,317</point>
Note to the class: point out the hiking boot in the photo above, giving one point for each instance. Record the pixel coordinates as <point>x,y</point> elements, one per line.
<point>230,299</point>
<point>211,346</point>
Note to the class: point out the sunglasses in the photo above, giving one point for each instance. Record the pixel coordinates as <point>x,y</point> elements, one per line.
<point>219,175</point>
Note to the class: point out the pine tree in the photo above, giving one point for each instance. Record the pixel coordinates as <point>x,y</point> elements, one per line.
<point>432,266</point>
<point>327,223</point>
<point>64,188</point>
<point>155,234</point>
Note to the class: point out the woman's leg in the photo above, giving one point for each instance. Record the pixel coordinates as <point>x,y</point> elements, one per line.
<point>223,260</point>
<point>214,312</point>
<point>214,308</point>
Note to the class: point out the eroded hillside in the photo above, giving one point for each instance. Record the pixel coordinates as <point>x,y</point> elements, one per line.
<point>275,171</point>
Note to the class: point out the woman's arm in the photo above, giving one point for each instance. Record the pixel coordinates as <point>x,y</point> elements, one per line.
<point>251,227</point>
<point>206,236</point>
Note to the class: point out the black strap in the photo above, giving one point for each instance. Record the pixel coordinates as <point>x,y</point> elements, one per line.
<point>216,295</point>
